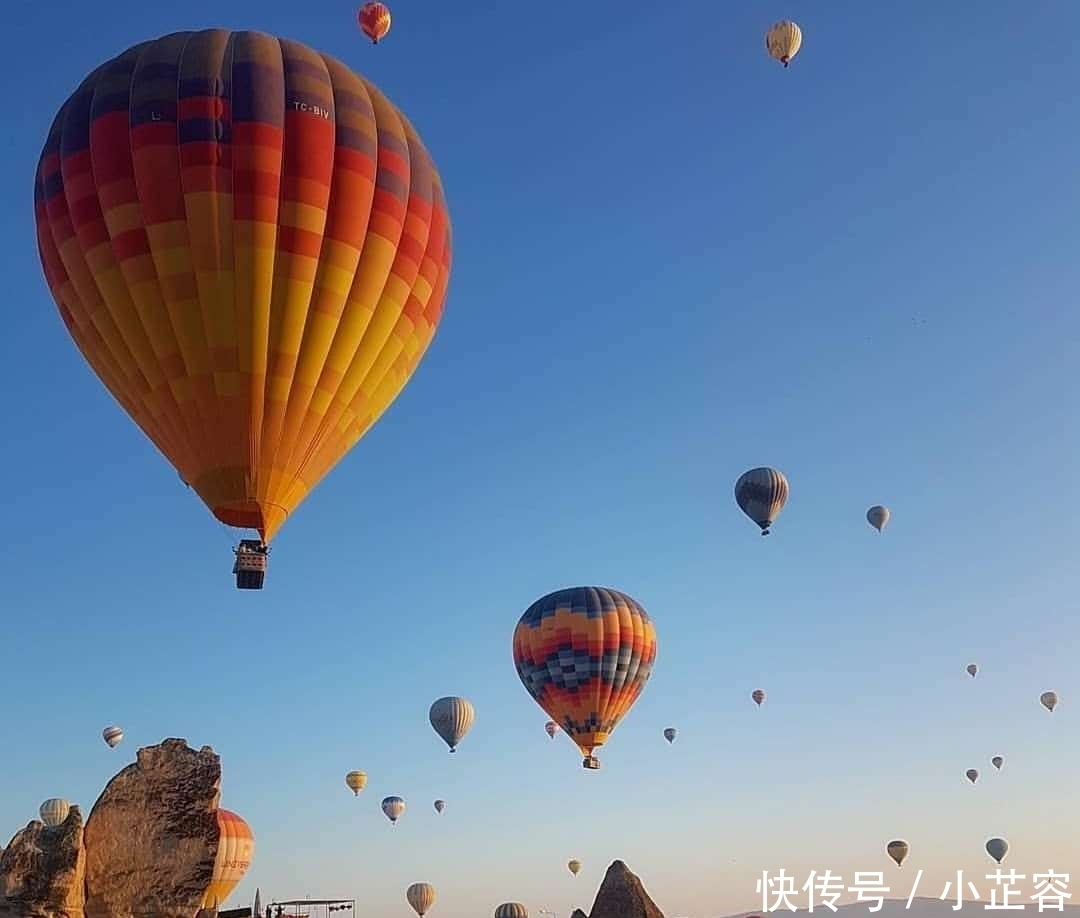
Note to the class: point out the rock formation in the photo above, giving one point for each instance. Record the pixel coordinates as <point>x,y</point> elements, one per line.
<point>152,836</point>
<point>42,871</point>
<point>578,913</point>
<point>621,895</point>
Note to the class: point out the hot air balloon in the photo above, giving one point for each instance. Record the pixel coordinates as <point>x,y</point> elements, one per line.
<point>511,910</point>
<point>112,736</point>
<point>250,246</point>
<point>394,808</point>
<point>584,654</point>
<point>783,41</point>
<point>236,848</point>
<point>452,718</point>
<point>440,805</point>
<point>552,728</point>
<point>669,734</point>
<point>1049,701</point>
<point>898,850</point>
<point>972,775</point>
<point>761,494</point>
<point>356,781</point>
<point>997,762</point>
<point>574,867</point>
<point>878,517</point>
<point>972,669</point>
<point>421,896</point>
<point>374,19</point>
<point>997,848</point>
<point>54,811</point>
<point>759,696</point>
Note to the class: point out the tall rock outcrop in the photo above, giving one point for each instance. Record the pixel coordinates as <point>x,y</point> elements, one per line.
<point>152,836</point>
<point>621,895</point>
<point>42,871</point>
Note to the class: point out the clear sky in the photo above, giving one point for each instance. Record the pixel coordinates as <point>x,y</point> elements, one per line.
<point>673,261</point>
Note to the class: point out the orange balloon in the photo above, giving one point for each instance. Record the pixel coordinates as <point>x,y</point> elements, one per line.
<point>236,848</point>
<point>374,19</point>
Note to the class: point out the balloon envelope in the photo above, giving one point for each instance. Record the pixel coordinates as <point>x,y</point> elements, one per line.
<point>112,736</point>
<point>584,654</point>
<point>761,494</point>
<point>452,718</point>
<point>374,20</point>
<point>758,695</point>
<point>997,761</point>
<point>356,781</point>
<point>421,896</point>
<point>878,517</point>
<point>54,811</point>
<point>898,850</point>
<point>236,848</point>
<point>972,775</point>
<point>574,867</point>
<point>972,669</point>
<point>783,41</point>
<point>1049,700</point>
<point>670,734</point>
<point>511,910</point>
<point>440,805</point>
<point>997,848</point>
<point>250,246</point>
<point>552,728</point>
<point>393,807</point>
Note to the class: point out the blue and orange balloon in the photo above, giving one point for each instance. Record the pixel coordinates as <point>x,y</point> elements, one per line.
<point>585,654</point>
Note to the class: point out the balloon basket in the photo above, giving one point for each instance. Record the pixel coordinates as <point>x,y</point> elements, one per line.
<point>251,564</point>
<point>591,762</point>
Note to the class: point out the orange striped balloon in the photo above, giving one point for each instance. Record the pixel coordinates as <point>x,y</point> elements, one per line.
<point>585,654</point>
<point>374,19</point>
<point>236,848</point>
<point>250,246</point>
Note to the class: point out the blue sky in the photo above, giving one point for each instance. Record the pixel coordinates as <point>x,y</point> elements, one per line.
<point>673,261</point>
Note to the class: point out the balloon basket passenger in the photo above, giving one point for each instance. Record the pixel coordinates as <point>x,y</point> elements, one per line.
<point>251,562</point>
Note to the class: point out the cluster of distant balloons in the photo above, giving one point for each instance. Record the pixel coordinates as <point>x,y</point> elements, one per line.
<point>421,896</point>
<point>997,848</point>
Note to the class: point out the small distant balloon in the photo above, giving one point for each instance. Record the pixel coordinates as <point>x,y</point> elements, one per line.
<point>552,728</point>
<point>670,734</point>
<point>972,669</point>
<point>898,850</point>
<point>421,896</point>
<point>761,494</point>
<point>878,517</point>
<point>374,19</point>
<point>452,718</point>
<point>440,805</point>
<point>759,696</point>
<point>997,848</point>
<point>574,867</point>
<point>394,808</point>
<point>783,41</point>
<point>511,910</point>
<point>54,811</point>
<point>972,775</point>
<point>1049,700</point>
<point>113,736</point>
<point>356,781</point>
<point>997,761</point>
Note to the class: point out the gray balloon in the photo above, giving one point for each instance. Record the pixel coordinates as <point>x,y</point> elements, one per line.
<point>997,848</point>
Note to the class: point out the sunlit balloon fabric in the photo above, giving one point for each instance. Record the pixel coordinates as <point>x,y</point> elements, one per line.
<point>374,19</point>
<point>585,654</point>
<point>251,248</point>
<point>236,848</point>
<point>54,811</point>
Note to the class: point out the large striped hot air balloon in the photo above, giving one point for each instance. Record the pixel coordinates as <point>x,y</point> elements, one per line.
<point>452,718</point>
<point>421,896</point>
<point>250,246</point>
<point>236,848</point>
<point>585,654</point>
